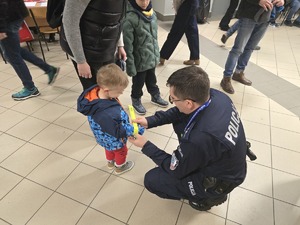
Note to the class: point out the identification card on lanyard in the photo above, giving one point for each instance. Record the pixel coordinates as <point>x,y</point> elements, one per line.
<point>174,161</point>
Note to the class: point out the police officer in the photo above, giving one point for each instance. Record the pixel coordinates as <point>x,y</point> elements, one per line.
<point>210,160</point>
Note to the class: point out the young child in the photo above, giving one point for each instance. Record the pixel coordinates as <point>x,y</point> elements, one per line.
<point>141,46</point>
<point>108,120</point>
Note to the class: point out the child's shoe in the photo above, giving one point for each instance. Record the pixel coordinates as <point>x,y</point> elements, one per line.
<point>124,168</point>
<point>137,105</point>
<point>26,93</point>
<point>224,38</point>
<point>157,100</point>
<point>111,164</point>
<point>192,62</point>
<point>53,74</point>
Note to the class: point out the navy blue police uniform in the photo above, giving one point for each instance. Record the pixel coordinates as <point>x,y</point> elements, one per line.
<point>210,160</point>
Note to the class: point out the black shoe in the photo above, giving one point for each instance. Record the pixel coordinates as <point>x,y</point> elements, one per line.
<point>157,100</point>
<point>296,24</point>
<point>288,23</point>
<point>257,47</point>
<point>137,105</point>
<point>224,38</point>
<point>224,28</point>
<point>208,203</point>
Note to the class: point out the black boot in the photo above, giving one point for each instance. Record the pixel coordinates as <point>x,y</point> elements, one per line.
<point>137,105</point>
<point>206,204</point>
<point>157,100</point>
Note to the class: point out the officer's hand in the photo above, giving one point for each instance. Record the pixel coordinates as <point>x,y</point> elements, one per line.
<point>3,36</point>
<point>142,121</point>
<point>138,140</point>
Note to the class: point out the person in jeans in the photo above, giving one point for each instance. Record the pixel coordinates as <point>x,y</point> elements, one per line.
<point>108,120</point>
<point>185,22</point>
<point>295,6</point>
<point>12,14</point>
<point>224,23</point>
<point>251,30</point>
<point>141,46</point>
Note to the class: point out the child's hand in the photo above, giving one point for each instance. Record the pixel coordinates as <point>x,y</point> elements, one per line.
<point>142,121</point>
<point>138,140</point>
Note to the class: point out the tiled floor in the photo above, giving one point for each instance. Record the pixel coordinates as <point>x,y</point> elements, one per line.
<point>53,172</point>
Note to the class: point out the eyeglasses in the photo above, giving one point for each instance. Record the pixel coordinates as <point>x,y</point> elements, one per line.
<point>171,100</point>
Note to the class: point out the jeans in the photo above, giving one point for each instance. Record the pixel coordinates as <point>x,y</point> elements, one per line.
<point>229,13</point>
<point>16,55</point>
<point>147,77</point>
<point>295,6</point>
<point>248,37</point>
<point>233,28</point>
<point>185,22</point>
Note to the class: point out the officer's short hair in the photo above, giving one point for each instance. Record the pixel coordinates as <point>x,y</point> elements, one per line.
<point>190,83</point>
<point>112,76</point>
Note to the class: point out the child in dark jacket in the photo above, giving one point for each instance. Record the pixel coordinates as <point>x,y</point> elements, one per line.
<point>108,120</point>
<point>141,46</point>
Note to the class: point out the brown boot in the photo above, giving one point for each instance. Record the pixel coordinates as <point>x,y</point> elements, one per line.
<point>240,77</point>
<point>192,62</point>
<point>226,85</point>
<point>162,61</point>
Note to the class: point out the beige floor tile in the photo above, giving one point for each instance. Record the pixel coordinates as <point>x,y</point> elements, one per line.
<point>58,210</point>
<point>262,151</point>
<point>30,106</point>
<point>9,145</point>
<point>77,146</point>
<point>165,211</point>
<point>193,217</point>
<point>50,93</point>
<point>66,82</point>
<point>20,163</point>
<point>68,99</point>
<point>256,101</point>
<point>7,101</point>
<point>171,145</point>
<point>286,160</point>
<point>258,179</point>
<point>51,137</point>
<point>117,198</point>
<point>10,118</point>
<point>93,217</point>
<point>249,208</point>
<point>83,183</point>
<point>290,141</point>
<point>86,129</point>
<point>256,131</point>
<point>8,181</point>
<point>275,107</point>
<point>50,112</point>
<point>255,115</point>
<point>71,119</point>
<point>28,128</point>
<point>53,171</point>
<point>22,202</point>
<point>286,122</point>
<point>166,130</point>
<point>286,213</point>
<point>286,187</point>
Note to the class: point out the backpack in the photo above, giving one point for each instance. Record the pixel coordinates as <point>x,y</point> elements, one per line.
<point>203,11</point>
<point>54,14</point>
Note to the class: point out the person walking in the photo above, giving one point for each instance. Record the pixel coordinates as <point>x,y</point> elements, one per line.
<point>224,23</point>
<point>12,14</point>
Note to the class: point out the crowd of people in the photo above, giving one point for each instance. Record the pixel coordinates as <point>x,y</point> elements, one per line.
<point>210,160</point>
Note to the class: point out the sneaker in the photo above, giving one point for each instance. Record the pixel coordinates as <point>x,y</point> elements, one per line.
<point>224,38</point>
<point>257,48</point>
<point>126,167</point>
<point>137,105</point>
<point>157,100</point>
<point>111,164</point>
<point>224,28</point>
<point>52,74</point>
<point>208,203</point>
<point>288,23</point>
<point>273,24</point>
<point>25,94</point>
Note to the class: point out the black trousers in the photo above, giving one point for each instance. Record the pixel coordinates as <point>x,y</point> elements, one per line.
<point>147,77</point>
<point>88,82</point>
<point>229,13</point>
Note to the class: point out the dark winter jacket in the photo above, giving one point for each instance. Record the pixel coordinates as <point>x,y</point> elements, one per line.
<point>249,8</point>
<point>140,40</point>
<point>11,10</point>
<point>108,120</point>
<point>213,146</point>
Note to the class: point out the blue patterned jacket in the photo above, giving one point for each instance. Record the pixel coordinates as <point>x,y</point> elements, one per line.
<point>108,120</point>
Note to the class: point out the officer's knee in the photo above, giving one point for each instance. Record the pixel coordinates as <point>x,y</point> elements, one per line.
<point>150,180</point>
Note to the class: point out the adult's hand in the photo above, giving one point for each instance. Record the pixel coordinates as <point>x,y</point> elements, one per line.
<point>138,140</point>
<point>266,4</point>
<point>278,2</point>
<point>84,70</point>
<point>3,36</point>
<point>142,121</point>
<point>122,53</point>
